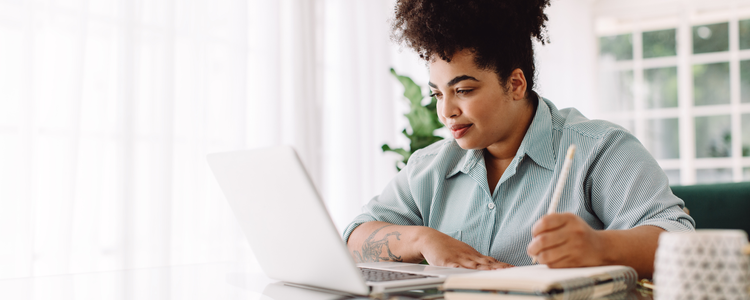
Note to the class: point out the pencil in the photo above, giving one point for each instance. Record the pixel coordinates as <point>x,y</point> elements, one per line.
<point>560,184</point>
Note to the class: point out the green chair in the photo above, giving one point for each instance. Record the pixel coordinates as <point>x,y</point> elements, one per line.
<point>719,206</point>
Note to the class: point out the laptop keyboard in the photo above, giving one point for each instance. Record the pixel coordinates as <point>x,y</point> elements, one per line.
<point>375,275</point>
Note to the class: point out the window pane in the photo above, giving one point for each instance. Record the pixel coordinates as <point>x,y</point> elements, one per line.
<point>711,38</point>
<point>745,81</point>
<point>746,176</point>
<point>713,136</point>
<point>745,34</point>
<point>745,134</point>
<point>659,43</point>
<point>713,175</point>
<point>616,90</point>
<point>674,176</point>
<point>663,136</point>
<point>661,87</point>
<point>618,47</point>
<point>711,84</point>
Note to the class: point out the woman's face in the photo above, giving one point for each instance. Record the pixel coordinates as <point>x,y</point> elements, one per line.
<point>473,104</point>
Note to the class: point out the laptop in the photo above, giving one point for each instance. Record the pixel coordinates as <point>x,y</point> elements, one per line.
<point>292,235</point>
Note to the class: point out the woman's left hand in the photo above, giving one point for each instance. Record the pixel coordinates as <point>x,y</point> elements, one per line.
<point>565,240</point>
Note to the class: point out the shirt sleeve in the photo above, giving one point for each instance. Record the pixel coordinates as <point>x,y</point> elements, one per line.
<point>628,188</point>
<point>394,205</point>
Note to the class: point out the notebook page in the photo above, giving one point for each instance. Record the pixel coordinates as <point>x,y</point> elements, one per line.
<point>527,278</point>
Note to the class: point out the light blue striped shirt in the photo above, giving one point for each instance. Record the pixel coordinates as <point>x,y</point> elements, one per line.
<point>614,183</point>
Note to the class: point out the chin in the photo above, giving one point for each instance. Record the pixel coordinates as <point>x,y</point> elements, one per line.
<point>468,145</point>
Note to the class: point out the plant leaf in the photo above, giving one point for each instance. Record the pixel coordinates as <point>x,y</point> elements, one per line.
<point>412,91</point>
<point>423,120</point>
<point>405,154</point>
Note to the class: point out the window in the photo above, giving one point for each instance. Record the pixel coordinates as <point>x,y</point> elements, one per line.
<point>682,86</point>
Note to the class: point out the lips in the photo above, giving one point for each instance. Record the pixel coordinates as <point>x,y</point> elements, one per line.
<point>459,130</point>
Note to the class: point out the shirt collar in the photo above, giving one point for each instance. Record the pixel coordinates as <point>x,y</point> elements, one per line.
<point>537,144</point>
<point>466,163</point>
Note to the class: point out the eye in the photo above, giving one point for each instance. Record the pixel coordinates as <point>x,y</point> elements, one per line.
<point>463,91</point>
<point>436,95</point>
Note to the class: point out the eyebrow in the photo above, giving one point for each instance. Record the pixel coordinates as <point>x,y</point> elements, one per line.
<point>455,80</point>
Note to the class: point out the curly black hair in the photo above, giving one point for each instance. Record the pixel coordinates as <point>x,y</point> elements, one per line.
<point>498,32</point>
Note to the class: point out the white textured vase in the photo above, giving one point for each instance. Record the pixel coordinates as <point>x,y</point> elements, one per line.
<point>705,264</point>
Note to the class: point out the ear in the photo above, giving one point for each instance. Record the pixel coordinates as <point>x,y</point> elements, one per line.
<point>517,82</point>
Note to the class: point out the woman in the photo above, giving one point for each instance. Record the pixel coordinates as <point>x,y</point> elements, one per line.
<point>478,200</point>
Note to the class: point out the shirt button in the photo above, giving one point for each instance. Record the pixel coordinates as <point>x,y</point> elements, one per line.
<point>491,205</point>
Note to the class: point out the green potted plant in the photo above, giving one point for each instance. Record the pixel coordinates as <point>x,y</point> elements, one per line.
<point>423,121</point>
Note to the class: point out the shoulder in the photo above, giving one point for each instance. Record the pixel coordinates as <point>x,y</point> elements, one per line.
<point>440,158</point>
<point>571,124</point>
<point>430,152</point>
<point>595,140</point>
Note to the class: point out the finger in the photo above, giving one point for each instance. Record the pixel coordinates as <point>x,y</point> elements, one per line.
<point>470,264</point>
<point>554,255</point>
<point>560,262</point>
<point>565,262</point>
<point>487,260</point>
<point>549,223</point>
<point>486,263</point>
<point>501,265</point>
<point>546,241</point>
<point>573,261</point>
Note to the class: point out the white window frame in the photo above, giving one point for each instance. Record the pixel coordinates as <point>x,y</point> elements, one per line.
<point>636,17</point>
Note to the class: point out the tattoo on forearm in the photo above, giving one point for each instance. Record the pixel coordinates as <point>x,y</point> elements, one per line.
<point>371,249</point>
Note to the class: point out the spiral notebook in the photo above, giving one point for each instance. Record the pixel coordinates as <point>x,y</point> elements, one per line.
<point>541,282</point>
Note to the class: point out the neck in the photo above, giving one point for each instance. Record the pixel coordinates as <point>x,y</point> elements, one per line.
<point>506,150</point>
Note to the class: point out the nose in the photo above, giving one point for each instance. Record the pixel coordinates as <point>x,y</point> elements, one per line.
<point>448,108</point>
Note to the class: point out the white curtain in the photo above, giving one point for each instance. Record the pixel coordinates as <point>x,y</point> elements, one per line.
<point>108,108</point>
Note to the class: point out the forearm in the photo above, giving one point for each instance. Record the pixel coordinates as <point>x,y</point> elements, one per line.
<point>380,241</point>
<point>634,247</point>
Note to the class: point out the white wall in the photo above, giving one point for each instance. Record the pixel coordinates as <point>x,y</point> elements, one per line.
<point>566,66</point>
